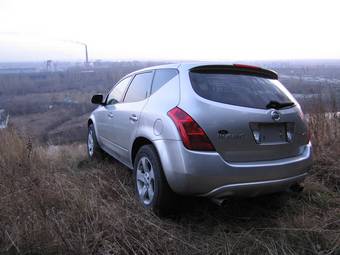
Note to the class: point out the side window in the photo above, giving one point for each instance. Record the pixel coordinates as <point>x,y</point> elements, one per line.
<point>139,87</point>
<point>117,93</point>
<point>162,76</point>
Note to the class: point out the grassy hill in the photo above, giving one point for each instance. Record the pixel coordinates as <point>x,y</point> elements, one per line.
<point>54,201</point>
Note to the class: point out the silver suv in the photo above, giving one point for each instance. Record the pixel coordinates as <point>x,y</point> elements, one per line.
<point>202,129</point>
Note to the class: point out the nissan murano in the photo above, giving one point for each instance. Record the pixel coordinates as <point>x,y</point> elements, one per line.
<point>202,129</point>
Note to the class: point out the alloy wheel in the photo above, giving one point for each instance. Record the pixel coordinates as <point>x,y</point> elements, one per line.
<point>145,180</point>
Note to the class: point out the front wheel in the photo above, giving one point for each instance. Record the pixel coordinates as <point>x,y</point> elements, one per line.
<point>93,149</point>
<point>151,185</point>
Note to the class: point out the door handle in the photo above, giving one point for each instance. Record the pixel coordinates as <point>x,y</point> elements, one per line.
<point>133,117</point>
<point>110,115</point>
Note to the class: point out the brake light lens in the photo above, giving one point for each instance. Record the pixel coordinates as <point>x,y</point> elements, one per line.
<point>193,136</point>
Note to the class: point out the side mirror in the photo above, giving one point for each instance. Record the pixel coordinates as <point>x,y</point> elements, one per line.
<point>97,99</point>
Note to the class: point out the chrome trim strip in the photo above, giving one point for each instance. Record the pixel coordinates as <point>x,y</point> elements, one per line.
<point>237,185</point>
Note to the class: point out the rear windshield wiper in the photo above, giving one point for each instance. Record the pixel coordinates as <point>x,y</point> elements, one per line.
<point>277,105</point>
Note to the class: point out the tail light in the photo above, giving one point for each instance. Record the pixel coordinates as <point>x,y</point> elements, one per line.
<point>193,136</point>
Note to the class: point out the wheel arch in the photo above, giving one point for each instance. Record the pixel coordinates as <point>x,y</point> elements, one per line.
<point>141,141</point>
<point>137,144</point>
<point>89,122</point>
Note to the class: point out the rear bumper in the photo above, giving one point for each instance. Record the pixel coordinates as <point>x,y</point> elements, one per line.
<point>207,174</point>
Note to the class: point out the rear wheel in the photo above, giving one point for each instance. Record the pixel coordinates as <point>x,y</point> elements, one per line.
<point>93,149</point>
<point>151,186</point>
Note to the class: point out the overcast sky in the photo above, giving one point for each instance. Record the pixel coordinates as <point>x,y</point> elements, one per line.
<point>169,29</point>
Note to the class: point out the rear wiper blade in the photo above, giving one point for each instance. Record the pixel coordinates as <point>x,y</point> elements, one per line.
<point>278,105</point>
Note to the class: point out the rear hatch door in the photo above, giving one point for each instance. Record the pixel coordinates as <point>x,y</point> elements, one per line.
<point>248,114</point>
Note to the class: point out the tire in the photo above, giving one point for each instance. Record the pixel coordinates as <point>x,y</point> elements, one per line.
<point>152,188</point>
<point>94,151</point>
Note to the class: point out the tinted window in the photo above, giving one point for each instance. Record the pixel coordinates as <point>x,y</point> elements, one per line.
<point>162,76</point>
<point>116,95</point>
<point>139,88</point>
<point>241,90</point>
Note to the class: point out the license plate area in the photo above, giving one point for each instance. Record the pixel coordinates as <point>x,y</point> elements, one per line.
<point>270,133</point>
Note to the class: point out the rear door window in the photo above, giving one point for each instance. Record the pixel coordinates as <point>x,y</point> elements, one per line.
<point>139,87</point>
<point>238,89</point>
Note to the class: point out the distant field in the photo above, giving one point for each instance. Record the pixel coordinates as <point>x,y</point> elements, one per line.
<point>53,106</point>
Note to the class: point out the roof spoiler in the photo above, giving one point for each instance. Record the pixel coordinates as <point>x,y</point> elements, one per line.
<point>236,69</point>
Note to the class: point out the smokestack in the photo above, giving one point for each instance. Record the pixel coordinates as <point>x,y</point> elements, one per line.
<point>86,56</point>
<point>86,52</point>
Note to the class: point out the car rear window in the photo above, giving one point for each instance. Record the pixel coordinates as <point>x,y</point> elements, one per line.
<point>238,89</point>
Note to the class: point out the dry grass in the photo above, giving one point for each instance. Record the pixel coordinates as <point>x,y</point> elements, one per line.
<point>53,201</point>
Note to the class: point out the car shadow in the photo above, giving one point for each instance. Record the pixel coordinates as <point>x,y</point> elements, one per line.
<point>263,211</point>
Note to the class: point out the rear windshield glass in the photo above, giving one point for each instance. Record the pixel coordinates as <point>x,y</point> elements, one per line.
<point>240,90</point>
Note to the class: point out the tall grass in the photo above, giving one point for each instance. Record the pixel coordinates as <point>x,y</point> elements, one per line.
<point>324,122</point>
<point>324,125</point>
<point>55,202</point>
